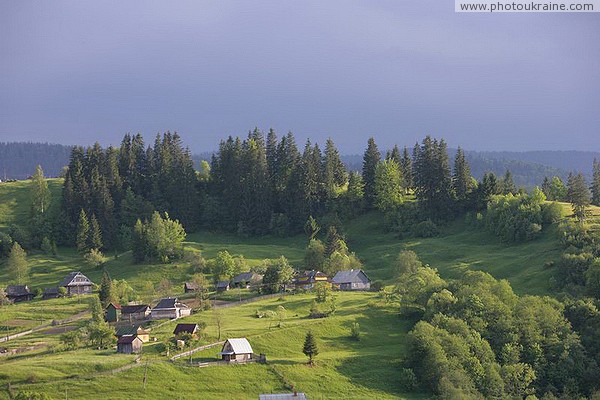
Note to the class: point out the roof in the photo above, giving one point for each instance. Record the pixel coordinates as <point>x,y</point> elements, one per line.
<point>17,290</point>
<point>222,284</point>
<point>246,277</point>
<point>168,302</point>
<point>130,330</point>
<point>70,280</point>
<point>118,307</point>
<point>239,345</point>
<point>189,328</point>
<point>282,396</point>
<point>191,286</point>
<point>132,309</point>
<point>127,339</point>
<point>51,290</point>
<point>349,276</point>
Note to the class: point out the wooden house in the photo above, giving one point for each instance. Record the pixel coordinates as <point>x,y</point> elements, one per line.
<point>135,312</point>
<point>192,329</point>
<point>18,293</point>
<point>50,293</point>
<point>133,330</point>
<point>77,283</point>
<point>169,308</point>
<point>129,344</point>
<point>222,286</point>
<point>353,279</point>
<point>246,280</point>
<point>112,312</point>
<point>308,279</point>
<point>190,287</point>
<point>237,350</point>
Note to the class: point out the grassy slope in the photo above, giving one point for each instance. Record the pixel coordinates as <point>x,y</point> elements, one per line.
<point>15,201</point>
<point>340,370</point>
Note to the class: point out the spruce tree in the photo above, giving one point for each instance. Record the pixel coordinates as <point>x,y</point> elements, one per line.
<point>95,234</point>
<point>461,179</point>
<point>406,168</point>
<point>16,265</point>
<point>507,184</point>
<point>370,160</point>
<point>596,183</point>
<point>335,171</point>
<point>310,348</point>
<point>579,196</point>
<point>83,232</point>
<point>106,292</point>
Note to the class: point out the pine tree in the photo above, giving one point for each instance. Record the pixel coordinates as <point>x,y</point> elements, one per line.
<point>16,265</point>
<point>579,196</point>
<point>335,171</point>
<point>596,183</point>
<point>95,234</point>
<point>106,292</point>
<point>507,184</point>
<point>461,179</point>
<point>83,232</point>
<point>394,155</point>
<point>310,348</point>
<point>406,168</point>
<point>370,160</point>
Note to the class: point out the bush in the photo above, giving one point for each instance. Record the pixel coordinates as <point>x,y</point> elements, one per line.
<point>377,286</point>
<point>407,379</point>
<point>426,229</point>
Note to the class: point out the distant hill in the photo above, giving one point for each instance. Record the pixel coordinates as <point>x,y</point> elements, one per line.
<point>567,160</point>
<point>18,160</point>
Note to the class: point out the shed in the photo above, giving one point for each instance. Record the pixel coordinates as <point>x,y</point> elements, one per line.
<point>246,279</point>
<point>237,350</point>
<point>222,286</point>
<point>129,344</point>
<point>135,312</point>
<point>17,293</point>
<point>353,279</point>
<point>112,313</point>
<point>190,287</point>
<point>192,329</point>
<point>77,283</point>
<point>133,330</point>
<point>50,293</point>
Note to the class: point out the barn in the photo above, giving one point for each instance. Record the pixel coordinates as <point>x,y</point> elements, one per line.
<point>129,344</point>
<point>352,279</point>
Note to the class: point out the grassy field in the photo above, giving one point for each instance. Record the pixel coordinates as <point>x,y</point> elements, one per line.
<point>15,201</point>
<point>340,369</point>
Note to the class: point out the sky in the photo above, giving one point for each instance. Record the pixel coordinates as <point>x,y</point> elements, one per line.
<point>76,72</point>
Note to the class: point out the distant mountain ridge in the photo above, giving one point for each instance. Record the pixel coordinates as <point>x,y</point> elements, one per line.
<point>19,159</point>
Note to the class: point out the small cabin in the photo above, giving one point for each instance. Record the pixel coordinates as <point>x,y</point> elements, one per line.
<point>129,344</point>
<point>192,329</point>
<point>222,286</point>
<point>112,313</point>
<point>18,293</point>
<point>353,279</point>
<point>170,308</point>
<point>135,312</point>
<point>133,330</point>
<point>308,279</point>
<point>189,287</point>
<point>246,280</point>
<point>77,283</point>
<point>50,293</point>
<point>237,350</point>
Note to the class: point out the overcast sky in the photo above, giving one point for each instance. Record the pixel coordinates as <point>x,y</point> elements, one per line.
<point>76,72</point>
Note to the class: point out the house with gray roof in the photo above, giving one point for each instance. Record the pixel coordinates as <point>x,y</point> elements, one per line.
<point>237,350</point>
<point>169,308</point>
<point>77,283</point>
<point>246,279</point>
<point>17,293</point>
<point>352,279</point>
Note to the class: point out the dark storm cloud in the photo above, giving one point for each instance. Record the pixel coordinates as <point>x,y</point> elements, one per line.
<point>76,72</point>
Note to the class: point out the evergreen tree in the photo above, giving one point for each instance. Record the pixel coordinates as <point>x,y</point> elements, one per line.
<point>370,160</point>
<point>95,235</point>
<point>138,242</point>
<point>107,292</point>
<point>83,232</point>
<point>461,179</point>
<point>507,184</point>
<point>310,348</point>
<point>406,168</point>
<point>335,171</point>
<point>16,265</point>
<point>487,188</point>
<point>579,196</point>
<point>394,155</point>
<point>596,183</point>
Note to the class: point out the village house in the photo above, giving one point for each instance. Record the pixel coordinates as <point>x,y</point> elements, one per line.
<point>190,287</point>
<point>237,350</point>
<point>134,312</point>
<point>133,330</point>
<point>353,279</point>
<point>222,286</point>
<point>308,279</point>
<point>129,344</point>
<point>50,293</point>
<point>17,293</point>
<point>112,313</point>
<point>77,283</point>
<point>192,329</point>
<point>246,280</point>
<point>169,308</point>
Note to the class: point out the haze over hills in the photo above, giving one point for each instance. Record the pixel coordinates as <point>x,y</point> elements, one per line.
<point>19,159</point>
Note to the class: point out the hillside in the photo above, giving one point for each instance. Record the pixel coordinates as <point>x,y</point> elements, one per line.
<point>19,159</point>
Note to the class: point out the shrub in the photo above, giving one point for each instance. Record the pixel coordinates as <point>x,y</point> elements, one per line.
<point>377,286</point>
<point>407,379</point>
<point>426,229</point>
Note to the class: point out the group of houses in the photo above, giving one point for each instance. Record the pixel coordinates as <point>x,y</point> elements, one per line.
<point>353,279</point>
<point>167,308</point>
<point>74,283</point>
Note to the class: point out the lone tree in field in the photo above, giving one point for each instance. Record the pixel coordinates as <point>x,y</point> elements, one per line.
<point>579,196</point>
<point>310,348</point>
<point>17,264</point>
